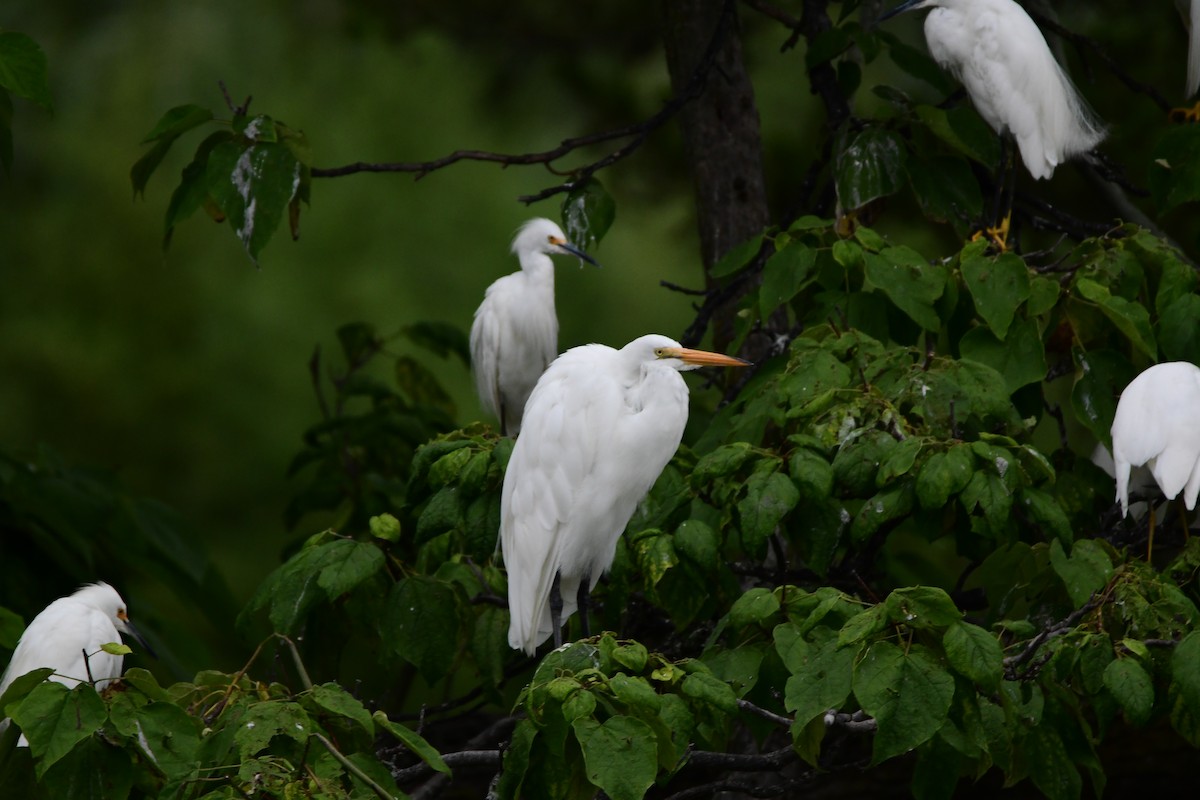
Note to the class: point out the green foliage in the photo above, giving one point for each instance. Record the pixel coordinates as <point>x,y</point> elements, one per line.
<point>255,174</point>
<point>23,73</point>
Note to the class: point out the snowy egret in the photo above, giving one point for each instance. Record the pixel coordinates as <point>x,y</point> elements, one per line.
<point>1158,424</point>
<point>67,636</point>
<point>1002,59</point>
<point>600,426</point>
<point>515,333</point>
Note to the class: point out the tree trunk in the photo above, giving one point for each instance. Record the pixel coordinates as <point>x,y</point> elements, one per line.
<point>720,131</point>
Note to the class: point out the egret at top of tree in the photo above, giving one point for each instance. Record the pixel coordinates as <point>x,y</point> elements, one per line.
<point>600,427</point>
<point>1157,424</point>
<point>67,636</point>
<point>1000,56</point>
<point>515,333</point>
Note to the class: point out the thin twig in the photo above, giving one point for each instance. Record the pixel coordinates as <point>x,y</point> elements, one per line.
<point>1058,629</point>
<point>354,769</point>
<point>746,705</point>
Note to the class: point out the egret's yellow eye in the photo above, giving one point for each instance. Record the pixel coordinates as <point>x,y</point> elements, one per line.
<point>659,352</point>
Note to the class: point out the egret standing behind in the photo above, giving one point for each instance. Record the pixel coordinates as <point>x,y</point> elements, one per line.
<point>600,426</point>
<point>69,628</point>
<point>1000,56</point>
<point>1158,424</point>
<point>515,333</point>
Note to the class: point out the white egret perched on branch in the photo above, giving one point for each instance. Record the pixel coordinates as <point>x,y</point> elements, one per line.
<point>515,333</point>
<point>67,636</point>
<point>1000,56</point>
<point>599,428</point>
<point>1157,424</point>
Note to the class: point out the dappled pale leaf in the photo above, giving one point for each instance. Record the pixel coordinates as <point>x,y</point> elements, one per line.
<point>253,184</point>
<point>587,213</point>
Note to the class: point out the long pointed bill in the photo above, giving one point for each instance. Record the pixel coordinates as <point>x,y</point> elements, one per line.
<point>703,358</point>
<point>132,630</point>
<point>907,5</point>
<point>575,251</point>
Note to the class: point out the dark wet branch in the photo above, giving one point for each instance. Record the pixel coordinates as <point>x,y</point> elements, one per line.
<point>636,133</point>
<point>1011,663</point>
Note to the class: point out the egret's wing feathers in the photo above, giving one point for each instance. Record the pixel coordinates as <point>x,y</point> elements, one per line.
<point>485,353</point>
<point>549,468</point>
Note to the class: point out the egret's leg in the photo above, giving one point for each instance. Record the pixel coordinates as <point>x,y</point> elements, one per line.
<point>1183,517</point>
<point>556,610</point>
<point>584,599</point>
<point>1150,543</point>
<point>995,227</point>
<point>504,425</point>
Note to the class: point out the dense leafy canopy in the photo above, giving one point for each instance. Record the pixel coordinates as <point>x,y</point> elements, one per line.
<point>889,549</point>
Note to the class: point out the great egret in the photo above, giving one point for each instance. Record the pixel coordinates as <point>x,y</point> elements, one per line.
<point>599,427</point>
<point>515,333</point>
<point>1158,424</point>
<point>67,635</point>
<point>1002,59</point>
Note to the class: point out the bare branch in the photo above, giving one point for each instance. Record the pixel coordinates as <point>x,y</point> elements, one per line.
<point>746,705</point>
<point>1011,663</point>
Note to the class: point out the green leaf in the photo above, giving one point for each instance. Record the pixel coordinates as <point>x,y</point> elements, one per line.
<point>698,543</point>
<point>1045,510</point>
<point>870,166</point>
<point>907,692</point>
<point>1178,334</point>
<point>759,606</point>
<point>1131,319</point>
<point>988,492</point>
<point>620,755</point>
<point>863,625</point>
<point>1174,171</point>
<point>725,460</point>
<point>631,655</point>
<point>21,686</point>
<point>414,742</point>
<point>812,473</point>
<point>1100,377</point>
<point>420,624</point>
<point>440,338</point>
<point>588,211</point>
<point>92,770</point>
<point>786,272</point>
<point>6,139</point>
<point>945,188</point>
<point>175,123</point>
<point>253,185</point>
<point>55,719</point>
<point>192,191</point>
<point>178,121</point>
<point>822,682</point>
<point>738,257</point>
<point>116,648</point>
<point>1132,688</point>
<point>1185,678</point>
<point>998,285</point>
<point>170,737</point>
<point>347,564</point>
<point>887,505</point>
<point>336,700</point>
<point>1050,765</point>
<point>898,462</point>
<point>1043,295</point>
<point>385,526</point>
<point>711,690</point>
<point>964,131</point>
<point>442,513</point>
<point>922,607</point>
<point>790,645</point>
<point>769,498</point>
<point>23,69</point>
<point>1021,359</point>
<point>909,281</point>
<point>263,721</point>
<point>1084,572</point>
<point>944,475</point>
<point>975,653</point>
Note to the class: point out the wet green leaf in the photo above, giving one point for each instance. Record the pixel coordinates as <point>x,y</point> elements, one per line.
<point>738,257</point>
<point>998,285</point>
<point>870,166</point>
<point>975,653</point>
<point>253,185</point>
<point>420,624</point>
<point>907,692</point>
<point>909,281</point>
<point>337,700</point>
<point>822,682</point>
<point>417,744</point>
<point>944,475</point>
<point>1084,572</point>
<point>55,719</point>
<point>23,68</point>
<point>1174,171</point>
<point>1021,359</point>
<point>769,498</point>
<point>619,754</point>
<point>786,272</point>
<point>1132,688</point>
<point>922,607</point>
<point>1132,319</point>
<point>1178,334</point>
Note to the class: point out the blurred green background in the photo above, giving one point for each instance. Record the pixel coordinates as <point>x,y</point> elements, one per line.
<point>186,373</point>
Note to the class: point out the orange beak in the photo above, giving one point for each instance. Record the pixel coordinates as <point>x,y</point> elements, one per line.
<point>703,358</point>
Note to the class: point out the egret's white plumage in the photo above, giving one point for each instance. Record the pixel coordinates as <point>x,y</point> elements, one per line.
<point>1000,56</point>
<point>599,427</point>
<point>1157,424</point>
<point>515,333</point>
<point>59,636</point>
